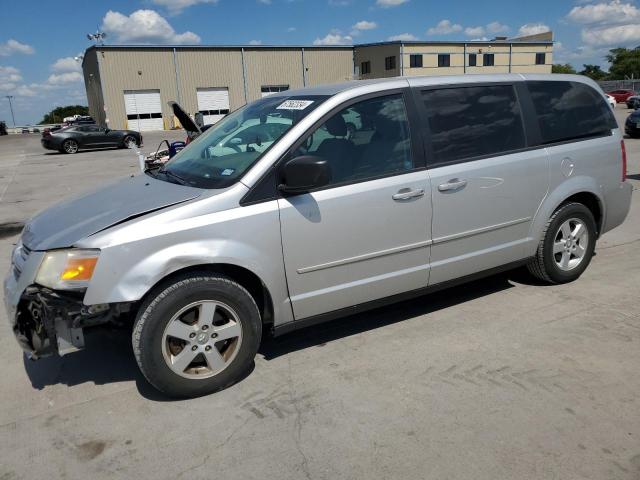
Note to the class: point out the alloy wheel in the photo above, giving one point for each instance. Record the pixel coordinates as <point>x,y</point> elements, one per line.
<point>570,244</point>
<point>201,339</point>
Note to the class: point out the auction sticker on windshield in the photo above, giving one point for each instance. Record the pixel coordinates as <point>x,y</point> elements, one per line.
<point>294,105</point>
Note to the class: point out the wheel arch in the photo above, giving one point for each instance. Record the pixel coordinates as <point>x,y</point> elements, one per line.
<point>582,190</point>
<point>243,276</point>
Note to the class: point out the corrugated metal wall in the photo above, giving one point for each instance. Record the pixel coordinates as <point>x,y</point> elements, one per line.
<point>272,67</point>
<point>328,65</point>
<point>198,68</point>
<point>179,72</point>
<point>93,85</point>
<point>376,54</point>
<point>136,69</point>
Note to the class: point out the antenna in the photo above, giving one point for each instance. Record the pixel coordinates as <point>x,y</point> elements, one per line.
<point>98,37</point>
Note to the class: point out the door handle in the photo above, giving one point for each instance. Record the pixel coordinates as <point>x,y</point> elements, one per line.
<point>406,194</point>
<point>453,184</point>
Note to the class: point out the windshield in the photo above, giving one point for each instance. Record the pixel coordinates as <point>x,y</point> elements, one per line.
<point>221,155</point>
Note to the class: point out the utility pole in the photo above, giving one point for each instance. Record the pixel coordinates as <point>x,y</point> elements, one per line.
<point>11,108</point>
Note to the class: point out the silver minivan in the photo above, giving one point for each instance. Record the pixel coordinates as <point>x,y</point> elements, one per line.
<point>312,204</point>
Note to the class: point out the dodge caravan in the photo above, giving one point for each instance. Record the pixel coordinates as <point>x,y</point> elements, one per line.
<point>281,216</point>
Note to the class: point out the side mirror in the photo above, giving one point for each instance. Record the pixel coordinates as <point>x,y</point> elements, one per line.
<point>301,174</point>
<point>107,130</point>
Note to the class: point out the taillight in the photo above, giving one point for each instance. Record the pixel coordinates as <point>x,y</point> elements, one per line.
<point>624,160</point>
<point>187,141</point>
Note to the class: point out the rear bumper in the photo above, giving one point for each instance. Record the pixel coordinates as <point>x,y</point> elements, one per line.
<point>618,203</point>
<point>631,129</point>
<point>48,144</point>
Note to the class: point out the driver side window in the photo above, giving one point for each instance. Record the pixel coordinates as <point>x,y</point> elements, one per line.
<point>365,140</point>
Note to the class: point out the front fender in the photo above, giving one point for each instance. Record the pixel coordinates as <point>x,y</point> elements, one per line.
<point>246,237</point>
<point>555,198</point>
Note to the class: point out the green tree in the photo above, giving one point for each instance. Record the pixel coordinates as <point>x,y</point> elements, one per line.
<point>57,114</point>
<point>562,68</point>
<point>594,72</point>
<point>625,63</point>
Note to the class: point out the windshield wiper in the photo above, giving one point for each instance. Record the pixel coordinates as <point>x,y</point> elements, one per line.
<point>177,177</point>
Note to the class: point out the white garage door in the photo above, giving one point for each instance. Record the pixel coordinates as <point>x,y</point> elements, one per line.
<point>144,110</point>
<point>213,103</point>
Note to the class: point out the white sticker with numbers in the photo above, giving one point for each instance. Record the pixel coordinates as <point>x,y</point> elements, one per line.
<point>294,105</point>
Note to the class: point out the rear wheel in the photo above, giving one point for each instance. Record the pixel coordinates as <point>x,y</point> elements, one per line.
<point>567,245</point>
<point>70,146</point>
<point>197,335</point>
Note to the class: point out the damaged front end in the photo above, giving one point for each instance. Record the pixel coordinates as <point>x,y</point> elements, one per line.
<point>50,322</point>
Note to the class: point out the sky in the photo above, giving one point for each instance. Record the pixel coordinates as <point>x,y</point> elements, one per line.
<point>39,40</point>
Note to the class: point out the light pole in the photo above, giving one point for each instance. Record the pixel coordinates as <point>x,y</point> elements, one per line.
<point>11,108</point>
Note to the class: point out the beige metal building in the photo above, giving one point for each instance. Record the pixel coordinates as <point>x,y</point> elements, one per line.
<point>531,54</point>
<point>129,86</point>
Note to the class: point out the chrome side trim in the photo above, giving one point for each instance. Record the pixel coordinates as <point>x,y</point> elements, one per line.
<point>478,231</point>
<point>366,256</point>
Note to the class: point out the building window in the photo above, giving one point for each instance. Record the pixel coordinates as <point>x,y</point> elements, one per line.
<point>541,58</point>
<point>390,63</point>
<point>415,61</point>
<point>473,59</point>
<point>365,68</point>
<point>267,90</point>
<point>488,60</point>
<point>444,60</point>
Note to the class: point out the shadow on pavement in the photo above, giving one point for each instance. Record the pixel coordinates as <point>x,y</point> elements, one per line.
<point>108,356</point>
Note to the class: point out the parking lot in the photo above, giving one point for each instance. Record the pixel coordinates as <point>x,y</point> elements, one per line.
<point>498,379</point>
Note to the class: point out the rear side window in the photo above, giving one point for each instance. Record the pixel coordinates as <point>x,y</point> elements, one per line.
<point>570,111</point>
<point>468,122</point>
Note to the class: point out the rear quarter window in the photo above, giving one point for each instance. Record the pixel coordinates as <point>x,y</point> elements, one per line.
<point>569,111</point>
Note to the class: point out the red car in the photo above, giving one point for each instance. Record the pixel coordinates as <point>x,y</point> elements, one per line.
<point>622,95</point>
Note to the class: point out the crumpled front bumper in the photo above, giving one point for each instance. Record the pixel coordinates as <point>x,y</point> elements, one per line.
<point>44,322</point>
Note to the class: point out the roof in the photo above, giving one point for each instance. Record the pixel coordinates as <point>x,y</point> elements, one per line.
<point>526,40</point>
<point>429,80</point>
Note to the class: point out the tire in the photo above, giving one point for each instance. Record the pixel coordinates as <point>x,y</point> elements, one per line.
<point>158,353</point>
<point>554,268</point>
<point>127,140</point>
<point>69,146</point>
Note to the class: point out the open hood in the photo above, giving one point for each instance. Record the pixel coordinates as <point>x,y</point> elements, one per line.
<point>72,220</point>
<point>185,120</point>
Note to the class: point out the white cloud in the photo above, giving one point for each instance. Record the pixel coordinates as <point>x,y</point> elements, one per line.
<point>291,29</point>
<point>334,37</point>
<point>444,27</point>
<point>144,26</point>
<point>612,35</point>
<point>474,31</point>
<point>612,12</point>
<point>338,3</point>
<point>64,78</point>
<point>265,2</point>
<point>365,25</point>
<point>176,6</point>
<point>403,37</point>
<point>12,46</point>
<point>255,42</point>
<point>9,75</point>
<point>67,64</point>
<point>390,3</point>
<point>497,27</point>
<point>532,29</point>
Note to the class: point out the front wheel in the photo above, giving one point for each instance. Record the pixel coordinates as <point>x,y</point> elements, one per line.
<point>196,335</point>
<point>129,142</point>
<point>567,245</point>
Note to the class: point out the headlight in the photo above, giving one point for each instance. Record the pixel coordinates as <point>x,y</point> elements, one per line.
<point>67,269</point>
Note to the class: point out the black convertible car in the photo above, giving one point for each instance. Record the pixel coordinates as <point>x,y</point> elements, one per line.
<point>71,139</point>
